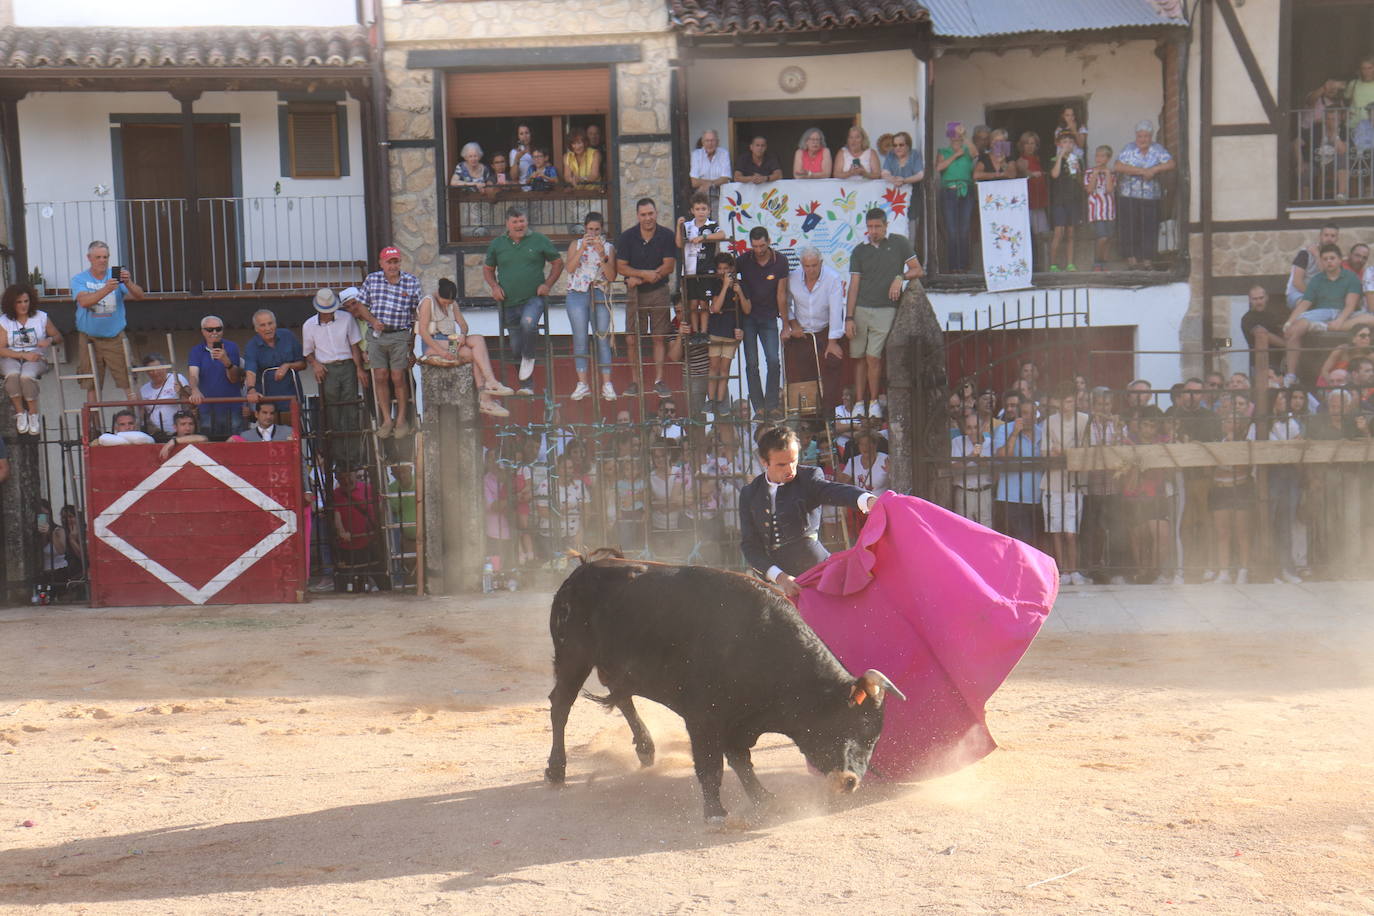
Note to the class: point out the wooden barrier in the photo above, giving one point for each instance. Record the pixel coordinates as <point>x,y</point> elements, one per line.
<point>216,523</point>
<point>1212,454</point>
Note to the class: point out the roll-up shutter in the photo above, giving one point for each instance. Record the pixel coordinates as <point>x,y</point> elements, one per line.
<point>526,93</point>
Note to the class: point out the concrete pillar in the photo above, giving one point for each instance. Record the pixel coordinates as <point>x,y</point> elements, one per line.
<point>455,535</point>
<point>18,510</point>
<point>916,385</point>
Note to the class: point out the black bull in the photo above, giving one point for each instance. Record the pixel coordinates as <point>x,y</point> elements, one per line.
<point>728,653</point>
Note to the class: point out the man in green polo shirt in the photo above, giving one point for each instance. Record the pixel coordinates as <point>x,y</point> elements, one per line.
<point>876,271</point>
<point>514,271</point>
<point>1330,302</point>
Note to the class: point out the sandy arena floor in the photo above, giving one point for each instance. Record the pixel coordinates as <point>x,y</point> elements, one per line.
<point>1206,750</point>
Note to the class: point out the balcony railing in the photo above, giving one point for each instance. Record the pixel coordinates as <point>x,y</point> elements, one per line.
<point>1333,155</point>
<point>215,245</point>
<point>481,217</point>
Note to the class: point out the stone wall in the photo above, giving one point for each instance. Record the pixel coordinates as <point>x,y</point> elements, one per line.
<point>642,104</point>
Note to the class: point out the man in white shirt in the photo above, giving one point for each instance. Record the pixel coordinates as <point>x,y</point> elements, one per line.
<point>330,344</point>
<point>813,337</point>
<point>162,386</point>
<point>710,168</point>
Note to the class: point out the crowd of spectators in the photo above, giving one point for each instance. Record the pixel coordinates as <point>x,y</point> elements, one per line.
<point>1333,147</point>
<point>1155,521</point>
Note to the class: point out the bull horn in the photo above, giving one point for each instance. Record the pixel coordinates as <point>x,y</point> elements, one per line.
<point>877,678</point>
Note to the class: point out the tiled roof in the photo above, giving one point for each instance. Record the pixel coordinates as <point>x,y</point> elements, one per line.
<point>707,17</point>
<point>179,48</point>
<point>981,19</point>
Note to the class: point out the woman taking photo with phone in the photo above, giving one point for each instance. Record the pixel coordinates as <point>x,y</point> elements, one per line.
<point>590,264</point>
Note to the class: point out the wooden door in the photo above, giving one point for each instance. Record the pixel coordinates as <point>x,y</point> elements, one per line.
<point>155,219</point>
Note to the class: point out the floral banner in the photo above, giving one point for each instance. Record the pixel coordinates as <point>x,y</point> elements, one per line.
<point>1004,211</point>
<point>826,213</point>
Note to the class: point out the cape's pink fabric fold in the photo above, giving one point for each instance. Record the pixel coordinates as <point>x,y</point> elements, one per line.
<point>942,606</point>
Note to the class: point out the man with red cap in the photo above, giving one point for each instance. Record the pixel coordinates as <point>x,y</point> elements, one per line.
<point>389,299</point>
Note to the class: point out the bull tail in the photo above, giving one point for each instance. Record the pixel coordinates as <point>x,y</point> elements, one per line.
<point>608,702</point>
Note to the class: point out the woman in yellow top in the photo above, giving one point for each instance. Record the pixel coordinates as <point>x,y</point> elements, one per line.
<point>581,163</point>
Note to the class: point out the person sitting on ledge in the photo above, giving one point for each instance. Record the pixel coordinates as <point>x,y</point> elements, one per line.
<point>124,430</point>
<point>448,344</point>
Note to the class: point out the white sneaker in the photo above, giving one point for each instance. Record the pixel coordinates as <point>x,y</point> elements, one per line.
<point>608,392</point>
<point>581,391</point>
<point>1242,576</point>
<point>1223,577</point>
<point>1291,578</point>
<point>21,421</point>
<point>1077,578</point>
<point>492,409</point>
<point>1209,575</point>
<point>526,367</point>
<point>35,424</point>
<point>1064,579</point>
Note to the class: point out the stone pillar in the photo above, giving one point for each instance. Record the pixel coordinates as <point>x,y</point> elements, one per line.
<point>18,510</point>
<point>455,535</point>
<point>916,384</point>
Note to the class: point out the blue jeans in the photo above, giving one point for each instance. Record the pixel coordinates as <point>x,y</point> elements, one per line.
<point>958,215</point>
<point>764,331</point>
<point>522,324</point>
<point>578,304</point>
<point>1285,489</point>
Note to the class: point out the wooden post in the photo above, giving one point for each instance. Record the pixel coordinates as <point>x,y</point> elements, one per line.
<point>19,556</point>
<point>190,219</point>
<point>454,506</point>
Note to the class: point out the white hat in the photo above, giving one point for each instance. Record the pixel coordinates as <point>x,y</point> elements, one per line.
<point>326,301</point>
<point>350,293</point>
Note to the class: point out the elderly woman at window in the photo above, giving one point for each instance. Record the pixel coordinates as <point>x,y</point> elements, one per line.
<point>581,163</point>
<point>1138,194</point>
<point>471,173</point>
<point>812,158</point>
<point>856,159</point>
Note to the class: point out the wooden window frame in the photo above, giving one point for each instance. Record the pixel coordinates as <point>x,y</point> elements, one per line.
<point>313,108</point>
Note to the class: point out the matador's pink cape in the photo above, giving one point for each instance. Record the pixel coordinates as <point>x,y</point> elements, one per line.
<point>942,606</point>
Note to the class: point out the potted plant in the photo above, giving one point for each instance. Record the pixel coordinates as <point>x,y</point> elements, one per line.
<point>36,281</point>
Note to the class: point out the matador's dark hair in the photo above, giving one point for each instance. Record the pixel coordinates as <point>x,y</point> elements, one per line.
<point>775,438</point>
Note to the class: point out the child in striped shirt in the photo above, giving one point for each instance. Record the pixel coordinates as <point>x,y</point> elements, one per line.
<point>1100,184</point>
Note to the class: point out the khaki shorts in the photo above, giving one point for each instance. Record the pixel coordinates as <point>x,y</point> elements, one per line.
<point>109,355</point>
<point>653,304</point>
<point>722,348</point>
<point>389,350</point>
<point>871,327</point>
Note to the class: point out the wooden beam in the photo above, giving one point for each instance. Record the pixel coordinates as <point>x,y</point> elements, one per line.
<point>1247,57</point>
<point>1175,455</point>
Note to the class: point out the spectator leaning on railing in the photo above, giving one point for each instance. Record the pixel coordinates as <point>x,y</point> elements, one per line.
<point>710,168</point>
<point>330,344</point>
<point>759,165</point>
<point>162,385</point>
<point>646,256</point>
<point>27,336</point>
<point>271,360</point>
<point>1139,192</point>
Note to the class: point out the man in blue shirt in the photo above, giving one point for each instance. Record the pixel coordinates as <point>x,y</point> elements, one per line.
<point>271,360</point>
<point>763,283</point>
<point>100,320</point>
<point>215,373</point>
<point>1018,480</point>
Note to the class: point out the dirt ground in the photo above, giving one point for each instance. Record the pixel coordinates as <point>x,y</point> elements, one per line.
<point>385,755</point>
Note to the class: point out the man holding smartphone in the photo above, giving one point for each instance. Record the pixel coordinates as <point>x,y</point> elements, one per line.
<point>216,373</point>
<point>100,292</point>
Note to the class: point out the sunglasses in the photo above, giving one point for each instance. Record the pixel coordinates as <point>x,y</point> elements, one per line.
<point>219,329</point>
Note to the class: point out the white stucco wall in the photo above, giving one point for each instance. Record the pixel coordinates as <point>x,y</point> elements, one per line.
<point>1156,312</point>
<point>83,13</point>
<point>887,83</point>
<point>1123,84</point>
<point>65,143</point>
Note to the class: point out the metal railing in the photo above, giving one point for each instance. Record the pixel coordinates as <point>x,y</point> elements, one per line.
<point>481,216</point>
<point>1333,152</point>
<point>215,245</point>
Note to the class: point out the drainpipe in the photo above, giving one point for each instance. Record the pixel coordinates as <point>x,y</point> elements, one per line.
<point>381,162</point>
<point>1205,181</point>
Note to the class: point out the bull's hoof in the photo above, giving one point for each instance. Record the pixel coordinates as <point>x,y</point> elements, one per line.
<point>646,755</point>
<point>554,777</point>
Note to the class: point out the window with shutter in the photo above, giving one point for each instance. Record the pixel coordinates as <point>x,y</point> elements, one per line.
<point>313,137</point>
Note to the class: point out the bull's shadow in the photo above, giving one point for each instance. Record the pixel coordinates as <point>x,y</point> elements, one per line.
<point>466,839</point>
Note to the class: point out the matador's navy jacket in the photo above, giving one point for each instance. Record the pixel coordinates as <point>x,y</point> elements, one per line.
<point>786,535</point>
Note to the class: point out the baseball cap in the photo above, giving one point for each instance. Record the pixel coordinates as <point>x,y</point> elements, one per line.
<point>349,294</point>
<point>326,301</point>
<point>389,252</point>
